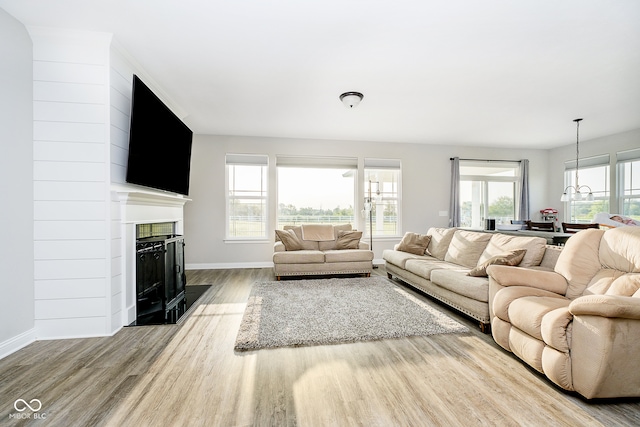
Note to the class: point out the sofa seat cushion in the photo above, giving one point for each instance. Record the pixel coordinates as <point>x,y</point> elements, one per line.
<point>424,267</point>
<point>344,255</point>
<point>501,243</point>
<point>457,280</point>
<point>400,258</point>
<point>526,313</point>
<point>298,257</point>
<point>466,247</point>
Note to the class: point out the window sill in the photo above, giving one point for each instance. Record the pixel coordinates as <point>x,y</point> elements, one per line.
<point>252,241</point>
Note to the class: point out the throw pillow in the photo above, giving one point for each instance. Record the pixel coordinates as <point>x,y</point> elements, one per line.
<point>414,243</point>
<point>511,258</point>
<point>348,239</point>
<point>289,239</point>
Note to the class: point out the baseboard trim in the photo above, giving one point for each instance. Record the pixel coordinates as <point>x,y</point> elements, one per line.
<point>229,265</point>
<point>16,343</point>
<point>237,265</point>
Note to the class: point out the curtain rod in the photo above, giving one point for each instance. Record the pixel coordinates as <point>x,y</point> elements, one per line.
<point>488,160</point>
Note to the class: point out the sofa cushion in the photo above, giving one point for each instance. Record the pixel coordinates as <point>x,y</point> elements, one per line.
<point>627,285</point>
<point>351,255</point>
<point>466,247</point>
<point>511,258</point>
<point>348,240</point>
<point>501,243</point>
<point>620,249</point>
<point>400,258</point>
<point>423,267</point>
<point>579,261</point>
<point>306,244</point>
<point>414,243</point>
<point>331,244</point>
<point>298,257</point>
<point>289,240</point>
<point>458,281</point>
<point>440,240</point>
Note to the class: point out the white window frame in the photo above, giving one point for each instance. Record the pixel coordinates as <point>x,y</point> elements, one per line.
<point>256,160</point>
<point>390,193</point>
<point>626,194</point>
<point>571,206</point>
<point>481,190</point>
<point>317,162</point>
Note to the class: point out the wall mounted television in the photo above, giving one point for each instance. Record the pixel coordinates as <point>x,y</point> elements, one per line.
<point>159,144</point>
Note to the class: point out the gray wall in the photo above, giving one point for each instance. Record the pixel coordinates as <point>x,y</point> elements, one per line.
<point>16,185</point>
<point>425,188</point>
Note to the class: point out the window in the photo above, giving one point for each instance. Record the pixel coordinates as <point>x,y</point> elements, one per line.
<point>381,193</point>
<point>316,190</point>
<point>629,183</point>
<point>594,173</point>
<point>488,190</point>
<point>246,183</point>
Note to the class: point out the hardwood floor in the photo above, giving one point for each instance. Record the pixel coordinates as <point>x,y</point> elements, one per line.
<point>189,375</point>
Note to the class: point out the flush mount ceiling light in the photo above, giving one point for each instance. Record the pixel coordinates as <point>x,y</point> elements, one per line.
<point>351,99</point>
<point>577,194</point>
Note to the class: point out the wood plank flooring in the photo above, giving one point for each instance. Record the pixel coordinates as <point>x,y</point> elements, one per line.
<point>189,375</point>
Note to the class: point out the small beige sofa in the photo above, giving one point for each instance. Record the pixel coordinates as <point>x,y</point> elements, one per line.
<point>580,324</point>
<point>442,272</point>
<point>322,255</point>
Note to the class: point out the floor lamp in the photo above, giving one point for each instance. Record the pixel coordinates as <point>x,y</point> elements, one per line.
<point>368,207</point>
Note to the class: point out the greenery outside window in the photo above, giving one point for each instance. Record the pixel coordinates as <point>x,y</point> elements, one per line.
<point>382,178</point>
<point>246,185</point>
<point>488,189</point>
<point>593,172</point>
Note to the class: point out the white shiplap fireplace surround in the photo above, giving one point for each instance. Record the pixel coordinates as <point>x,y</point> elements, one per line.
<point>85,214</point>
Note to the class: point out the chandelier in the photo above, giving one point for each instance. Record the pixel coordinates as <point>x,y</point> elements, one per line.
<point>577,194</point>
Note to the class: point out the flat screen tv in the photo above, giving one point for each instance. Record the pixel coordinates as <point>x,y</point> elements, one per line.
<point>159,144</point>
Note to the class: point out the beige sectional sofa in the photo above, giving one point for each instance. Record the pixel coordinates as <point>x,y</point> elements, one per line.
<point>323,250</point>
<point>442,271</point>
<point>579,325</point>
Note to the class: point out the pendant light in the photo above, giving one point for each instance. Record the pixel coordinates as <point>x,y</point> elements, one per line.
<point>577,194</point>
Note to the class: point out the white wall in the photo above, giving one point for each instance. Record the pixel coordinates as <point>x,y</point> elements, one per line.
<point>588,148</point>
<point>425,188</point>
<point>16,186</point>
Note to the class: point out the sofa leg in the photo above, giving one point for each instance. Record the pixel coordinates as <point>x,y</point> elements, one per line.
<point>485,328</point>
<point>278,278</point>
<point>389,276</point>
<point>368,275</point>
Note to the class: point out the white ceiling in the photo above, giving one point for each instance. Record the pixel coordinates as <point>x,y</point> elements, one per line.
<point>501,73</point>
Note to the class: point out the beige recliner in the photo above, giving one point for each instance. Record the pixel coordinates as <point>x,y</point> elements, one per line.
<point>580,324</point>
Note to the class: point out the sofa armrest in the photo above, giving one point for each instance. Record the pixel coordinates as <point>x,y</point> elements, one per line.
<point>606,306</point>
<point>518,276</point>
<point>363,245</point>
<point>279,247</point>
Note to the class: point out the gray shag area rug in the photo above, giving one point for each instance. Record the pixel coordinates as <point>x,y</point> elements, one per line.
<point>338,310</point>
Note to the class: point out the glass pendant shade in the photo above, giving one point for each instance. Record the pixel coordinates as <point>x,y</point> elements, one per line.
<point>351,99</point>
